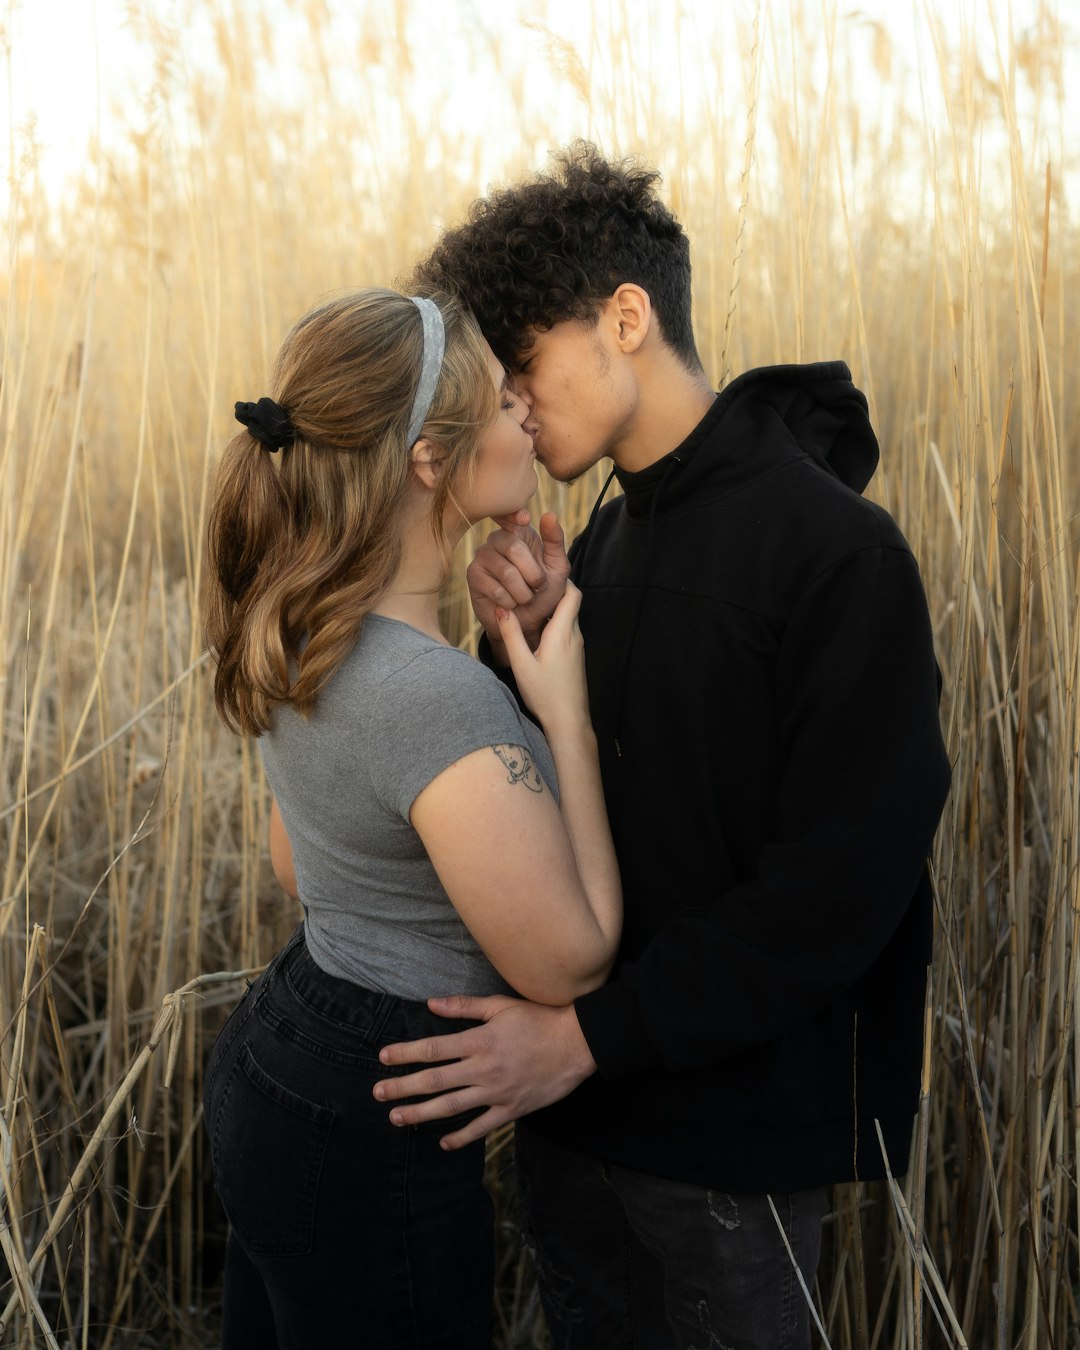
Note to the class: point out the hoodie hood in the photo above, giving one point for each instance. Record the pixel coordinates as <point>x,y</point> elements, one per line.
<point>758,421</point>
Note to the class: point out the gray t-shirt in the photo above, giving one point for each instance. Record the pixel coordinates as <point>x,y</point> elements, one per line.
<point>399,710</point>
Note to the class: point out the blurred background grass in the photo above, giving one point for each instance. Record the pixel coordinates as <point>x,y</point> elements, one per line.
<point>907,209</point>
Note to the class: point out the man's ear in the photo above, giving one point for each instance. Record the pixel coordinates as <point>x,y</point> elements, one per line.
<point>632,313</point>
<point>425,460</point>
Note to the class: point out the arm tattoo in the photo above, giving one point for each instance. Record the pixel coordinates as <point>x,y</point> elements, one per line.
<point>519,766</point>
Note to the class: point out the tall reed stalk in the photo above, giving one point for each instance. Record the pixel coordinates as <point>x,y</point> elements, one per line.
<point>935,253</point>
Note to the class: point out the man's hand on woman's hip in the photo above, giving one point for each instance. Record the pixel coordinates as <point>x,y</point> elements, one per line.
<point>523,1056</point>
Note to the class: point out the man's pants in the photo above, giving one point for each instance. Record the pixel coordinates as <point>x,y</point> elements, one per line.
<point>628,1261</point>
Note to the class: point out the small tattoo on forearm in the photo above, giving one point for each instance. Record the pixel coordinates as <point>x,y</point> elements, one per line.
<point>519,766</point>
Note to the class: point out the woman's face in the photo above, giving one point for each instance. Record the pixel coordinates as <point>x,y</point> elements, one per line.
<point>502,477</point>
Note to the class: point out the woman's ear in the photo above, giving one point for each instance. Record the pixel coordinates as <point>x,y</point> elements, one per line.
<point>425,459</point>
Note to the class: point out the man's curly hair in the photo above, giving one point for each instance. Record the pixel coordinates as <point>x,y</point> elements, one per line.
<point>556,247</point>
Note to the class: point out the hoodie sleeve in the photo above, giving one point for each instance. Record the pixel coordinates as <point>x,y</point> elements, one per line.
<point>863,780</point>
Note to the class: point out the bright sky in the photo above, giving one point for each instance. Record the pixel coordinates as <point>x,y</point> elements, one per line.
<point>75,65</point>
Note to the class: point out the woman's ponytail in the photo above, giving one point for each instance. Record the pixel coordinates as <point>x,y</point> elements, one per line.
<point>249,523</point>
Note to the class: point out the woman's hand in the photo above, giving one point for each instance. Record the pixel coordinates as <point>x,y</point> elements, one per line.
<point>551,680</point>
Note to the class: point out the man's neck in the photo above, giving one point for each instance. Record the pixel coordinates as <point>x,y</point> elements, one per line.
<point>672,400</point>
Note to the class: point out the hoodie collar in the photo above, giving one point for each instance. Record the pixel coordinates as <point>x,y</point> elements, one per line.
<point>759,419</point>
<point>639,487</point>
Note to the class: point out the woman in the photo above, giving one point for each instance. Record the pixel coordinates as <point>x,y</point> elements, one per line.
<point>441,844</point>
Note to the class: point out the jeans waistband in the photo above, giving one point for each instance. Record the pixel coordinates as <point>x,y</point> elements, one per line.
<point>352,1008</point>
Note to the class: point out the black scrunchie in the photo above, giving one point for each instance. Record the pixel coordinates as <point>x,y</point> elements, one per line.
<point>268,422</point>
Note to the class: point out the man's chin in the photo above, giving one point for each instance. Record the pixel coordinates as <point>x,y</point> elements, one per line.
<point>567,474</point>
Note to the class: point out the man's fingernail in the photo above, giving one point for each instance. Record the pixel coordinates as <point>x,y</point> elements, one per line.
<point>396,1117</point>
<point>440,1002</point>
<point>500,614</point>
<point>380,1092</point>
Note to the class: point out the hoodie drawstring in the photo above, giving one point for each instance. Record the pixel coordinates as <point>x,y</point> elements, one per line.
<point>586,535</point>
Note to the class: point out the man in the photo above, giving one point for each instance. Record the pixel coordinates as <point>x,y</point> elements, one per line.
<point>764,693</point>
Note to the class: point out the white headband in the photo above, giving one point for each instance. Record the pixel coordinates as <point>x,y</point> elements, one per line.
<point>434,346</point>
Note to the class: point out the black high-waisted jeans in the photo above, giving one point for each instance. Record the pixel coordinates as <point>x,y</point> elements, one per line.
<point>345,1231</point>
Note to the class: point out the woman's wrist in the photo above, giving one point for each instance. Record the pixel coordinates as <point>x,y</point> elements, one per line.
<point>569,728</point>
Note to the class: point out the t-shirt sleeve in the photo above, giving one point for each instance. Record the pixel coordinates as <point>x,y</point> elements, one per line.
<point>439,707</point>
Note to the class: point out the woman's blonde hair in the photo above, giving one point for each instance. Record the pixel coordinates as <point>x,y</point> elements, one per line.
<point>303,543</point>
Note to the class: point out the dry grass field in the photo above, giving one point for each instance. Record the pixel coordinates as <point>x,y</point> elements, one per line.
<point>932,250</point>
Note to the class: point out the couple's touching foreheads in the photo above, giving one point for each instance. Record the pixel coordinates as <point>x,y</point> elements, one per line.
<point>648,877</point>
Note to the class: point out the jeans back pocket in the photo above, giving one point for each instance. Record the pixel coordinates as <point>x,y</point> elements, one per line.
<point>268,1145</point>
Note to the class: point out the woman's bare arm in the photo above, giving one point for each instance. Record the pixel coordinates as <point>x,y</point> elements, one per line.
<point>281,858</point>
<point>535,882</point>
<point>498,842</point>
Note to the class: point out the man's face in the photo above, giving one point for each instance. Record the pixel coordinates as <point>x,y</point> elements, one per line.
<point>579,405</point>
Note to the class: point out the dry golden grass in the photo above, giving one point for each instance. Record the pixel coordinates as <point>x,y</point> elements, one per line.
<point>938,259</point>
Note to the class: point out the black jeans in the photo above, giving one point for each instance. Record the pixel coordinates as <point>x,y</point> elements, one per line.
<point>629,1261</point>
<point>344,1230</point>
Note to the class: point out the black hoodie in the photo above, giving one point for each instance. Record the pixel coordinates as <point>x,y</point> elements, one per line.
<point>765,696</point>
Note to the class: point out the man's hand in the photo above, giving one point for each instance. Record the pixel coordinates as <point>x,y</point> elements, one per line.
<point>524,1056</point>
<point>518,569</point>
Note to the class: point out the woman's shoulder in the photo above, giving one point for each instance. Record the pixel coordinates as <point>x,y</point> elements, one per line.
<point>394,664</point>
<point>433,705</point>
<point>390,651</point>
